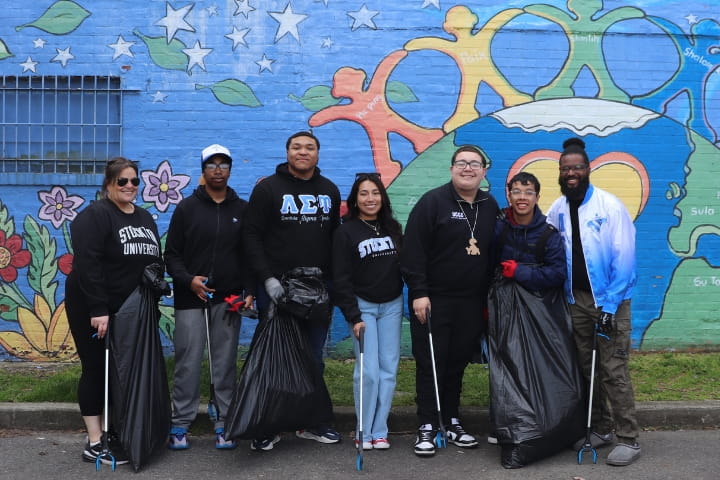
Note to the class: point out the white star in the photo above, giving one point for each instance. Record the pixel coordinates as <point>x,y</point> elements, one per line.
<point>159,97</point>
<point>326,43</point>
<point>238,37</point>
<point>212,10</point>
<point>265,64</point>
<point>63,56</point>
<point>692,19</point>
<point>121,47</point>
<point>196,55</point>
<point>174,20</point>
<point>244,7</point>
<point>363,17</point>
<point>29,64</point>
<point>288,22</point>
<point>39,43</point>
<point>434,3</point>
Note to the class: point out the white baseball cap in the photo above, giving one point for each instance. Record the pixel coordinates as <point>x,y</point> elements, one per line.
<point>212,150</point>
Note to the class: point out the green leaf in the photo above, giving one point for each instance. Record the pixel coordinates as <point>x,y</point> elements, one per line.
<point>4,51</point>
<point>165,55</point>
<point>316,98</point>
<point>7,224</point>
<point>167,320</point>
<point>43,266</point>
<point>233,92</point>
<point>61,18</point>
<point>398,92</point>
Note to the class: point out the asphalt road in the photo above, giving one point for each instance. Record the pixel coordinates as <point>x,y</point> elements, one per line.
<point>667,455</point>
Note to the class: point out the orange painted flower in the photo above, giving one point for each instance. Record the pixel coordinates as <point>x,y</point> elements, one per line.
<point>12,257</point>
<point>45,334</point>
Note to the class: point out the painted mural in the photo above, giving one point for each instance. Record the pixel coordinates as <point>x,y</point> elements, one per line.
<point>392,87</point>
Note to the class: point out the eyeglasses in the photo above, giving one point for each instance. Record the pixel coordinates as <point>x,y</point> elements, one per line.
<point>462,164</point>
<point>574,168</point>
<point>517,193</point>
<point>122,181</point>
<point>365,175</point>
<point>213,166</point>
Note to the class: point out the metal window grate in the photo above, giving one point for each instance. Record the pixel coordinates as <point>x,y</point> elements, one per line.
<point>59,124</point>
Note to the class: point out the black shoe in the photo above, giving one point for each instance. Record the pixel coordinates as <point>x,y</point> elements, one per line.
<point>457,435</point>
<point>424,444</point>
<point>92,452</point>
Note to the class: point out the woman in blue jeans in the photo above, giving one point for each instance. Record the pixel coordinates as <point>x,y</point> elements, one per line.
<point>368,290</point>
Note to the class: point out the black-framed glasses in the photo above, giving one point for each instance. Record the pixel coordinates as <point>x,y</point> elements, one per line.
<point>213,166</point>
<point>474,165</point>
<point>575,168</point>
<point>366,175</point>
<point>122,181</point>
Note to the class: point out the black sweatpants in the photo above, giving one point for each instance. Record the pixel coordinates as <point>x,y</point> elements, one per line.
<point>456,326</point>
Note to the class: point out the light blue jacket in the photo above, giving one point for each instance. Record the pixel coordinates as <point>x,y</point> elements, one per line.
<point>608,241</point>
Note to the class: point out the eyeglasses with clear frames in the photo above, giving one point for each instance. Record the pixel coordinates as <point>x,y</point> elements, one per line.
<point>221,166</point>
<point>527,193</point>
<point>462,165</point>
<point>574,168</point>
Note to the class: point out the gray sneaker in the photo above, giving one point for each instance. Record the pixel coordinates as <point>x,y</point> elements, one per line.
<point>623,454</point>
<point>596,440</point>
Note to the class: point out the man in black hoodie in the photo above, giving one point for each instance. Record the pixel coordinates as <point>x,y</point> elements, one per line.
<point>290,222</point>
<point>445,263</point>
<point>205,258</point>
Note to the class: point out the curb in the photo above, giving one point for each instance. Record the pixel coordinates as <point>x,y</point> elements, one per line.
<point>651,415</point>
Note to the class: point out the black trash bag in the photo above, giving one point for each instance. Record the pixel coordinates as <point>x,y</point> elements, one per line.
<point>138,381</point>
<point>306,297</point>
<point>536,389</point>
<point>280,387</point>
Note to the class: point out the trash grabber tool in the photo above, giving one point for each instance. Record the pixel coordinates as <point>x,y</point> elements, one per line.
<point>441,435</point>
<point>359,459</point>
<point>587,446</point>
<point>106,454</point>
<point>212,410</point>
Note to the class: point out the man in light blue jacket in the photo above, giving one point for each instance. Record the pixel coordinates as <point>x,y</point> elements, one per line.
<point>599,238</point>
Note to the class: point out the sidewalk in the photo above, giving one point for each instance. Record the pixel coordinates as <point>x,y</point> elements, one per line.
<point>651,415</point>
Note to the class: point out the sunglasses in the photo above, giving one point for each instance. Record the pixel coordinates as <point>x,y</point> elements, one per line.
<point>122,181</point>
<point>364,175</point>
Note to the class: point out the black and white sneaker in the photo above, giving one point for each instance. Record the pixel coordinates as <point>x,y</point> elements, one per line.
<point>424,445</point>
<point>92,452</point>
<point>457,435</point>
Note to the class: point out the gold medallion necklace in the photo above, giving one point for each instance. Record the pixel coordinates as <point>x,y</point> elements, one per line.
<point>472,248</point>
<point>374,228</point>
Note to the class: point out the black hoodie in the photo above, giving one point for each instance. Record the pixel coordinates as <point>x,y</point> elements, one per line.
<point>290,223</point>
<point>204,238</point>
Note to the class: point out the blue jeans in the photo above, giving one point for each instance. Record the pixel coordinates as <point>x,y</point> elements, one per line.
<point>380,364</point>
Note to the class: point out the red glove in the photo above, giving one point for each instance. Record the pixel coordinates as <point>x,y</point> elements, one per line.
<point>235,302</point>
<point>509,267</point>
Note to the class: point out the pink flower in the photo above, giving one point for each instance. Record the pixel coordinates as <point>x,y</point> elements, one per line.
<point>58,206</point>
<point>162,187</point>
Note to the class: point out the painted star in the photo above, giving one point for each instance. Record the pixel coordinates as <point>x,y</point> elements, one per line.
<point>323,1</point>
<point>265,64</point>
<point>174,20</point>
<point>238,37</point>
<point>288,21</point>
<point>363,17</point>
<point>39,43</point>
<point>121,47</point>
<point>434,3</point>
<point>244,7</point>
<point>159,97</point>
<point>196,55</point>
<point>692,19</point>
<point>63,56</point>
<point>212,10</point>
<point>29,64</point>
<point>326,42</point>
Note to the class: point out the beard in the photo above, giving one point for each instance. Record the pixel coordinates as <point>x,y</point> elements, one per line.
<point>576,193</point>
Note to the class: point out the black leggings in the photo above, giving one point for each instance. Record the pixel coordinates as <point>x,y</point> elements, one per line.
<point>91,394</point>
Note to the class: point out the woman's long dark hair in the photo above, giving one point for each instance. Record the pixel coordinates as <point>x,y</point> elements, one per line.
<point>386,220</point>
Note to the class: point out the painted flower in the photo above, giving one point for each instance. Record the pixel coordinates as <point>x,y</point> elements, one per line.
<point>65,263</point>
<point>58,206</point>
<point>162,187</point>
<point>12,257</point>
<point>45,334</point>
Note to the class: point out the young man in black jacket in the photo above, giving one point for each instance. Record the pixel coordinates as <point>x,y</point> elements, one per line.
<point>290,223</point>
<point>205,257</point>
<point>445,263</point>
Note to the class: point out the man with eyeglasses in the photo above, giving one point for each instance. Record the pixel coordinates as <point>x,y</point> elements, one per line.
<point>445,261</point>
<point>205,257</point>
<point>599,238</point>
